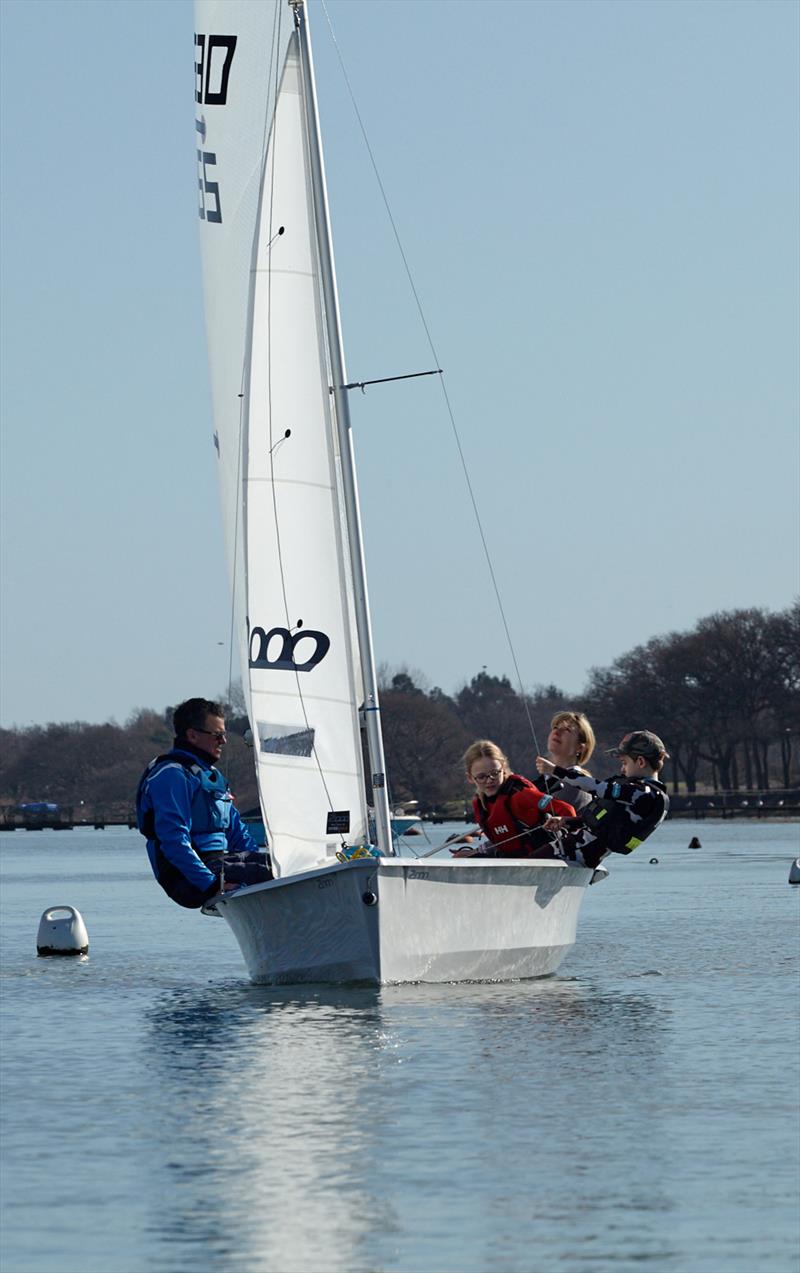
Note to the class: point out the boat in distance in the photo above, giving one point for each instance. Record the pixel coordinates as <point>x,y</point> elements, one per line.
<point>344,906</point>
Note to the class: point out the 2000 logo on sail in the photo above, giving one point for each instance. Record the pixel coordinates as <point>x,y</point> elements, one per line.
<point>281,658</point>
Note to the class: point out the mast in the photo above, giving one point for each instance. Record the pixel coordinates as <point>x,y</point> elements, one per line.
<point>371,709</point>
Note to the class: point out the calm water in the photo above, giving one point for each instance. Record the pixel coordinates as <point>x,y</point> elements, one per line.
<point>640,1110</point>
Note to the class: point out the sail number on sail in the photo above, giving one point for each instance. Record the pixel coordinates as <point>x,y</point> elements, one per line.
<point>212,68</point>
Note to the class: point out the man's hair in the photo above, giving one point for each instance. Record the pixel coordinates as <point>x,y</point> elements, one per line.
<point>192,714</point>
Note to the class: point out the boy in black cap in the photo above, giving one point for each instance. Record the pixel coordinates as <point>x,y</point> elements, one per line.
<point>626,809</point>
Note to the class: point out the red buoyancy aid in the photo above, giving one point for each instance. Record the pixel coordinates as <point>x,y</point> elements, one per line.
<point>519,806</point>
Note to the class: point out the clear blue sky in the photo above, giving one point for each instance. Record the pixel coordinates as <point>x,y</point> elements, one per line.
<point>599,202</point>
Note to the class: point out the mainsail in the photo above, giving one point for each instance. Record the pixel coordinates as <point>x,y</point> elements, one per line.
<point>279,464</point>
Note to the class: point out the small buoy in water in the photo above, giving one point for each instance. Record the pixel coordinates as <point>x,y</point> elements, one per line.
<point>694,843</point>
<point>62,932</point>
<point>654,861</point>
<point>794,872</point>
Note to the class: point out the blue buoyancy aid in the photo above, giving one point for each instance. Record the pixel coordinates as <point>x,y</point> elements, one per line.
<point>211,802</point>
<point>185,810</point>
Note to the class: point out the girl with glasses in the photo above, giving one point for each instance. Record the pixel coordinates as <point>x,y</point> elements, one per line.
<point>508,808</point>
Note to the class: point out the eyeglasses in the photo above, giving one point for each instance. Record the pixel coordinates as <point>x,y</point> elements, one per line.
<point>493,773</point>
<point>219,734</point>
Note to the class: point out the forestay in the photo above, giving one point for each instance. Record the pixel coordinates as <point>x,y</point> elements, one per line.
<point>278,459</point>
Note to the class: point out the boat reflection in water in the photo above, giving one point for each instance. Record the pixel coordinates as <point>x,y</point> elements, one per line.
<point>358,1128</point>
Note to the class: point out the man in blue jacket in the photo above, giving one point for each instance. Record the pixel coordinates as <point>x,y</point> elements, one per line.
<point>196,841</point>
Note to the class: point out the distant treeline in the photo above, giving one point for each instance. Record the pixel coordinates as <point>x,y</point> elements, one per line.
<point>724,697</point>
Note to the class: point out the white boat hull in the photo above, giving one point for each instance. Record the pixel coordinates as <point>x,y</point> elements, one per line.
<point>399,920</point>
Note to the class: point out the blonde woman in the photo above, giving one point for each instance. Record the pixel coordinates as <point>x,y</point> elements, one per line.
<point>508,808</point>
<point>570,743</point>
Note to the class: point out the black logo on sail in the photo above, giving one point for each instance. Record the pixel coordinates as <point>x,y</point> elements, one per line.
<point>277,650</point>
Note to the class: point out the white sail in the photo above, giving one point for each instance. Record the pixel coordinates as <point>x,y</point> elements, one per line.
<point>279,466</point>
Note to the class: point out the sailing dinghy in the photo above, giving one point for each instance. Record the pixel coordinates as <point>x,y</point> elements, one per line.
<point>295,555</point>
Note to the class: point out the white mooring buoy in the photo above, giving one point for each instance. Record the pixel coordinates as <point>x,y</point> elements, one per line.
<point>62,932</point>
<point>794,872</point>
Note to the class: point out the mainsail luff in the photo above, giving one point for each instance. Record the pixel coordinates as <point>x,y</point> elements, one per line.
<point>371,705</point>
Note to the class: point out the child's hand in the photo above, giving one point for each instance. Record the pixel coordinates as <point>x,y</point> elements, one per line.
<point>544,766</point>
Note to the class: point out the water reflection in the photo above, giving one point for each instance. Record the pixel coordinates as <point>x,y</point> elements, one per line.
<point>553,1116</point>
<point>341,1128</point>
<point>604,1120</point>
<point>267,1092</point>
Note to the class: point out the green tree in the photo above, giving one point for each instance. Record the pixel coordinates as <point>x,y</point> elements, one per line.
<point>424,741</point>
